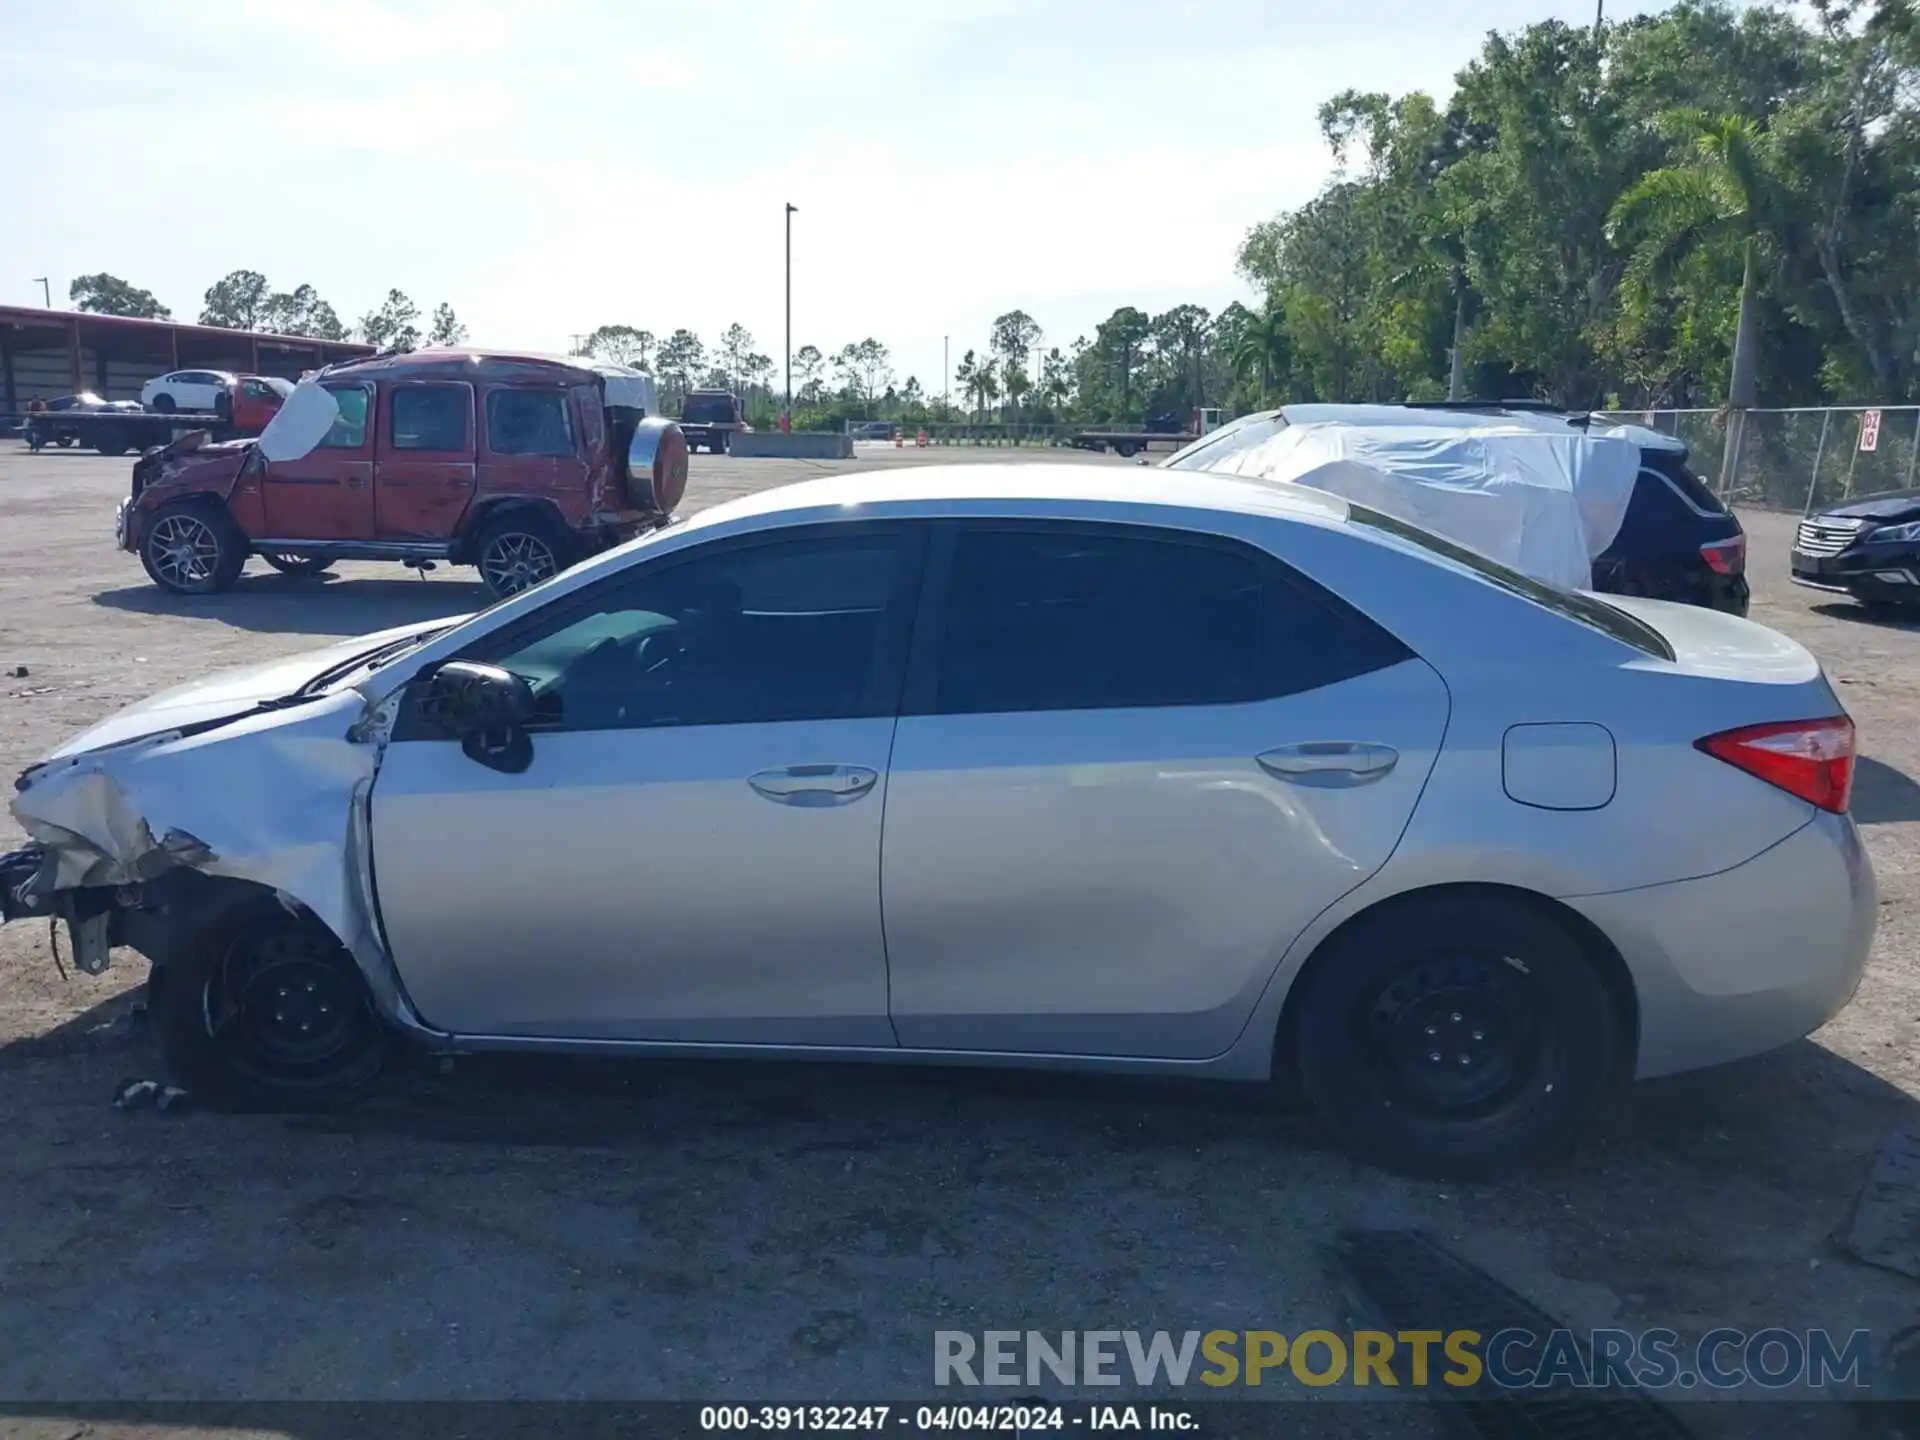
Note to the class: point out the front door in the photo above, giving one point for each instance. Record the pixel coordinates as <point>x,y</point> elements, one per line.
<point>694,852</point>
<point>1131,768</point>
<point>423,480</point>
<point>326,494</point>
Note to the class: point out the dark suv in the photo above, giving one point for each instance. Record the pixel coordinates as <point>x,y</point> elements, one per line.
<point>1676,542</point>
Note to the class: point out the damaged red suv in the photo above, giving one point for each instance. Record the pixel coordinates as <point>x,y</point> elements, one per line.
<point>519,465</point>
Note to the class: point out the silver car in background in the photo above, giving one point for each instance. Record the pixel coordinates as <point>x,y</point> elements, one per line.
<point>1017,765</point>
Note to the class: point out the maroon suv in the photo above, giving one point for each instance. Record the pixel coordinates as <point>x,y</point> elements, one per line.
<point>519,465</point>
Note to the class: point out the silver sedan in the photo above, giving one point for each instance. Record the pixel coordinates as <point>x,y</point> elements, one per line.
<point>1010,765</point>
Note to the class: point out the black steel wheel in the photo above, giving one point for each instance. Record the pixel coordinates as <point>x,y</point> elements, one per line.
<point>268,1010</point>
<point>1462,1033</point>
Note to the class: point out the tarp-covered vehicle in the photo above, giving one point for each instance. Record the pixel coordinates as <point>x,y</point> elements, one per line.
<point>520,465</point>
<point>1567,499</point>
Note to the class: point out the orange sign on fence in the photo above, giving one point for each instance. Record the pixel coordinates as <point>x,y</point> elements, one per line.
<point>1869,429</point>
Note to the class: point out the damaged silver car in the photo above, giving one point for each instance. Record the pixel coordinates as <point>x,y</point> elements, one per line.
<point>1022,765</point>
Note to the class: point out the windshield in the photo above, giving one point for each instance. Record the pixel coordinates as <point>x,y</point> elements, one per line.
<point>1588,610</point>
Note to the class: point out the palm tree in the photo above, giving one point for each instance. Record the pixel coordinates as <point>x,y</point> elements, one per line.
<point>1262,351</point>
<point>1721,196</point>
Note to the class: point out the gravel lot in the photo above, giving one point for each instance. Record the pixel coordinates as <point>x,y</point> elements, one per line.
<point>725,1231</point>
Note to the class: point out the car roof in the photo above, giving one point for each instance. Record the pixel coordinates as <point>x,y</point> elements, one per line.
<point>457,361</point>
<point>930,489</point>
<point>1477,416</point>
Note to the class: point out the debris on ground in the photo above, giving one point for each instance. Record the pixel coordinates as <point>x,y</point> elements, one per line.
<point>1886,1223</point>
<point>149,1094</point>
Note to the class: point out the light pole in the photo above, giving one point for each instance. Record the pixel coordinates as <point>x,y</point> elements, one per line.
<point>46,290</point>
<point>788,411</point>
<point>946,374</point>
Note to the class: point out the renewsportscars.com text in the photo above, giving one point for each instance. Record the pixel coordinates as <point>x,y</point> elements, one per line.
<point>1512,1359</point>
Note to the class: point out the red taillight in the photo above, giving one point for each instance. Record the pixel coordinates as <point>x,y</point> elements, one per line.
<point>1726,557</point>
<point>1809,758</point>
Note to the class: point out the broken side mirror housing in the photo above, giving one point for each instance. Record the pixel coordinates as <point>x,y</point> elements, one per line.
<point>487,708</point>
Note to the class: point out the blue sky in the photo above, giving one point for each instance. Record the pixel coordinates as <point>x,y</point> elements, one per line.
<point>549,167</point>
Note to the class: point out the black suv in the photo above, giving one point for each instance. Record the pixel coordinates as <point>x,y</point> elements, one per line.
<point>1676,542</point>
<point>1868,548</point>
<point>710,418</point>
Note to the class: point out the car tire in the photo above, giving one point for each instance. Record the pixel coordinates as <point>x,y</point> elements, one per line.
<point>111,442</point>
<point>301,567</point>
<point>1529,1035</point>
<point>65,442</point>
<point>163,403</point>
<point>519,550</point>
<point>266,1010</point>
<point>193,548</point>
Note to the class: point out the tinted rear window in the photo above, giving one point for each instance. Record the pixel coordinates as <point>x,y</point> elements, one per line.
<point>1674,468</point>
<point>1593,613</point>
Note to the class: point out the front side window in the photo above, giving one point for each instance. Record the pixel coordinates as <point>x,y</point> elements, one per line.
<point>528,422</point>
<point>349,430</point>
<point>429,417</point>
<point>1073,620</point>
<point>806,629</point>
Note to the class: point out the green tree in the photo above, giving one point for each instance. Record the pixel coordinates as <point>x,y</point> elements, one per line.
<point>1012,338</point>
<point>1115,357</point>
<point>300,311</point>
<point>809,366</point>
<point>1721,197</point>
<point>237,301</point>
<point>447,329</point>
<point>682,360</point>
<point>736,344</point>
<point>622,345</point>
<point>393,326</point>
<point>104,294</point>
<point>1262,352</point>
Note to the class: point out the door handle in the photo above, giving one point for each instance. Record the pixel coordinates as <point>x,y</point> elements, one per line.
<point>1329,763</point>
<point>814,785</point>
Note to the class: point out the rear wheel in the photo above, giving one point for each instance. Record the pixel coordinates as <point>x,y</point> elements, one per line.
<point>112,442</point>
<point>163,402</point>
<point>65,442</point>
<point>193,549</point>
<point>299,566</point>
<point>519,550</point>
<point>267,1010</point>
<point>1457,1035</point>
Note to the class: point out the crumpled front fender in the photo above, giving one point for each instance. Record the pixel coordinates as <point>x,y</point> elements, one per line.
<point>280,798</point>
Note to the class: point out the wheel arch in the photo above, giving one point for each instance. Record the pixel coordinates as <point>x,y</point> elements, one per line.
<point>1593,942</point>
<point>483,513</point>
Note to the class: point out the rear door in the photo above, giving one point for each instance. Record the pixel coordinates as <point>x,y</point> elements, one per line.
<point>424,474</point>
<point>1132,766</point>
<point>327,494</point>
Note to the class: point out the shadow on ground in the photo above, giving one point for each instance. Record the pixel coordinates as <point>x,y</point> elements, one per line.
<point>1883,795</point>
<point>327,605</point>
<point>1860,615</point>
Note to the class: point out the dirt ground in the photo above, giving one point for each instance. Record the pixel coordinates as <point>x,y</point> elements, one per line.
<point>732,1231</point>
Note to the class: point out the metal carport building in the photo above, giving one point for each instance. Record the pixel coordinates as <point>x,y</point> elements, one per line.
<point>59,352</point>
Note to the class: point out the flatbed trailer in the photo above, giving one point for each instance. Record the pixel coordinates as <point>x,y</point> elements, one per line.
<point>115,432</point>
<point>1129,442</point>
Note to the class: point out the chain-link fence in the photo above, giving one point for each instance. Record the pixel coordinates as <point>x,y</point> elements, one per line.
<point>1798,459</point>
